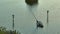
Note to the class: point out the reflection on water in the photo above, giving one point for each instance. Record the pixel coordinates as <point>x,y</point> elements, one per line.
<point>25,21</point>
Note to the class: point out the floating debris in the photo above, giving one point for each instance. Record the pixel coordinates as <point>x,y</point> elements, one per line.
<point>39,24</point>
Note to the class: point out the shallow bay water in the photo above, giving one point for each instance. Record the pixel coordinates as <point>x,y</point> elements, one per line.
<point>25,21</point>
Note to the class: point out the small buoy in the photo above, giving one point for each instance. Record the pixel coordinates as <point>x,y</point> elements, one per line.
<point>31,2</point>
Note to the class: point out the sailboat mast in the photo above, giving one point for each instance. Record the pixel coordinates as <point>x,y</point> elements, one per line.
<point>47,16</point>
<point>13,21</point>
